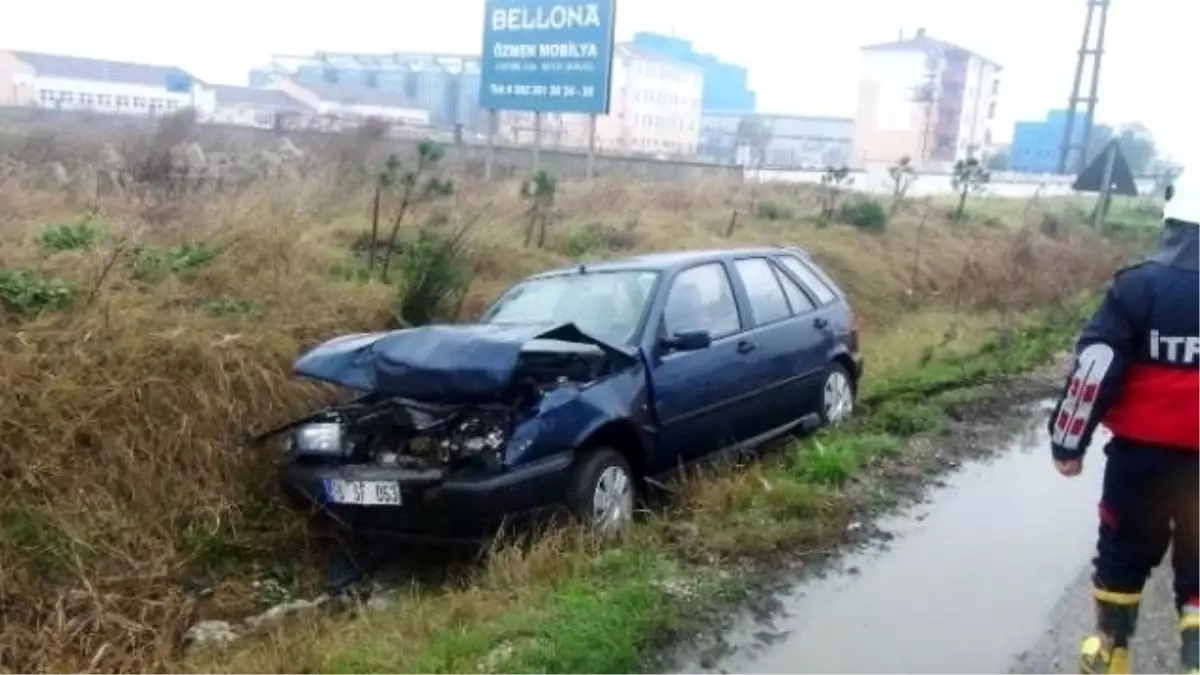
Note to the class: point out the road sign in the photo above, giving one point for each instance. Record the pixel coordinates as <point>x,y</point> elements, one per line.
<point>547,55</point>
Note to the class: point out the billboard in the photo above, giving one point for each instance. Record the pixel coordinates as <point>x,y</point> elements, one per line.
<point>547,55</point>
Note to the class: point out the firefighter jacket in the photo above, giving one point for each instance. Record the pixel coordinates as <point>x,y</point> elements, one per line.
<point>1137,361</point>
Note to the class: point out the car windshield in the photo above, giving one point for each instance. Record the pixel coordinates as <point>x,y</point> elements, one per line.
<point>606,305</point>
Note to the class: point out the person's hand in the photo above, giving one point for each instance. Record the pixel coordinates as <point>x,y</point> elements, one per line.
<point>1070,467</point>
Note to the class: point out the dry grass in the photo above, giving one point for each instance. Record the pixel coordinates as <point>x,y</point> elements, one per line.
<point>123,482</point>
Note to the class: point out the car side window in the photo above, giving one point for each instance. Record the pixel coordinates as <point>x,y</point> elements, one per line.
<point>767,301</point>
<point>821,290</point>
<point>701,298</point>
<point>797,298</point>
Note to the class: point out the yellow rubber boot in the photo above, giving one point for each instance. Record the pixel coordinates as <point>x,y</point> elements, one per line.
<point>1189,632</point>
<point>1107,651</point>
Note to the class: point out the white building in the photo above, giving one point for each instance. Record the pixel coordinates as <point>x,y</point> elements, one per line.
<point>776,140</point>
<point>654,109</point>
<point>246,106</point>
<point>926,99</point>
<point>346,105</point>
<point>111,87</point>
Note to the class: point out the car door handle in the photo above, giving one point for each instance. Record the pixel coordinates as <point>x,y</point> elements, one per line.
<point>745,346</point>
<point>819,323</point>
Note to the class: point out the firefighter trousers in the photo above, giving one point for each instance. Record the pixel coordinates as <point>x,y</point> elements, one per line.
<point>1151,500</point>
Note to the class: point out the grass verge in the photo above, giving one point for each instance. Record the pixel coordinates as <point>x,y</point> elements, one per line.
<point>564,605</point>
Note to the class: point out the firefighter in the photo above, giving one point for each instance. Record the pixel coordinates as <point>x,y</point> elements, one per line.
<point>1137,371</point>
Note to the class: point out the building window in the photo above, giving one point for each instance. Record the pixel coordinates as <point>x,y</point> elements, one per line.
<point>139,102</point>
<point>86,99</point>
<point>47,96</point>
<point>122,101</point>
<point>104,99</point>
<point>66,97</point>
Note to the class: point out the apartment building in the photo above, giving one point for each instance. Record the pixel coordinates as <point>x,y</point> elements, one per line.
<point>926,99</point>
<point>655,109</point>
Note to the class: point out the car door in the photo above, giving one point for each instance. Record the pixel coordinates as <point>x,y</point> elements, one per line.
<point>697,394</point>
<point>823,318</point>
<point>789,349</point>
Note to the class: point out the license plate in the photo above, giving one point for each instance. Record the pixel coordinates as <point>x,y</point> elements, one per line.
<point>363,492</point>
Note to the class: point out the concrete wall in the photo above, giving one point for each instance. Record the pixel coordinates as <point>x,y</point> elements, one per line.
<point>876,181</point>
<point>511,161</point>
<point>517,161</point>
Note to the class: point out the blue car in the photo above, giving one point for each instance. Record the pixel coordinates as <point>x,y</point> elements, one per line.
<point>576,388</point>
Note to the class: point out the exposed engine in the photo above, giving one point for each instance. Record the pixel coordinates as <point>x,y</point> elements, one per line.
<point>415,435</point>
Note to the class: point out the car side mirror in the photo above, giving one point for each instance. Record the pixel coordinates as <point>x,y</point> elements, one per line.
<point>688,340</point>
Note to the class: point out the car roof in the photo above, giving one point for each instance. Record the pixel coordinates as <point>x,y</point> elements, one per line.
<point>669,261</point>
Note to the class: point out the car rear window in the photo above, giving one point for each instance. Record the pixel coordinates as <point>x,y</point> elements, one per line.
<point>820,290</point>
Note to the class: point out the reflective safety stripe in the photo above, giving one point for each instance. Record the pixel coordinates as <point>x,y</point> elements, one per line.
<point>1092,365</point>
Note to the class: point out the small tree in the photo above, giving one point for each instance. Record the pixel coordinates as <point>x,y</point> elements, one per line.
<point>833,183</point>
<point>903,176</point>
<point>416,187</point>
<point>384,182</point>
<point>969,177</point>
<point>539,190</point>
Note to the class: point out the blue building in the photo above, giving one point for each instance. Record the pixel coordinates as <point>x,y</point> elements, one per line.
<point>726,86</point>
<point>1036,145</point>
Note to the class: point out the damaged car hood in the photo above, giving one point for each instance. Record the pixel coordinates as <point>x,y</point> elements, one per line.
<point>445,362</point>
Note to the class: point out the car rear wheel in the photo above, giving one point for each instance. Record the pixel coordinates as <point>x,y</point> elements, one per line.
<point>602,492</point>
<point>837,396</point>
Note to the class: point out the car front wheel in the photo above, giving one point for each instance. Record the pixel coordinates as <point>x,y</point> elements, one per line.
<point>602,492</point>
<point>837,396</point>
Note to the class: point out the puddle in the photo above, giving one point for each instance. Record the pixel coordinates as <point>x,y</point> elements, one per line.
<point>969,582</point>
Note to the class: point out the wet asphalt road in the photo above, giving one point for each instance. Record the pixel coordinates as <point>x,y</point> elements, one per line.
<point>990,574</point>
<point>1155,647</point>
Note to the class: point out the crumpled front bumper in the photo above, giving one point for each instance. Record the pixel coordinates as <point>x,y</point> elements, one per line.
<point>434,507</point>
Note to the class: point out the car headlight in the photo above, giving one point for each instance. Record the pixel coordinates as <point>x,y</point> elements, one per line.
<point>319,437</point>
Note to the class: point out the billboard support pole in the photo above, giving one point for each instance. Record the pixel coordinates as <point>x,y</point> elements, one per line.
<point>537,141</point>
<point>489,158</point>
<point>591,156</point>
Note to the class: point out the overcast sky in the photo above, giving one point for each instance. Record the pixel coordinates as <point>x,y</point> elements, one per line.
<point>802,54</point>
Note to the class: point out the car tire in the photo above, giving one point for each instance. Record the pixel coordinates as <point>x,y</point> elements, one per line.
<point>837,396</point>
<point>603,492</point>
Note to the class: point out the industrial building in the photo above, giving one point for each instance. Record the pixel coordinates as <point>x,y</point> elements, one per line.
<point>780,141</point>
<point>1037,145</point>
<point>445,85</point>
<point>655,110</point>
<point>249,107</point>
<point>926,99</point>
<point>339,106</point>
<point>108,87</point>
<point>726,85</point>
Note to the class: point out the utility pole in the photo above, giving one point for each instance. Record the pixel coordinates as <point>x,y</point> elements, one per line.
<point>1093,53</point>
